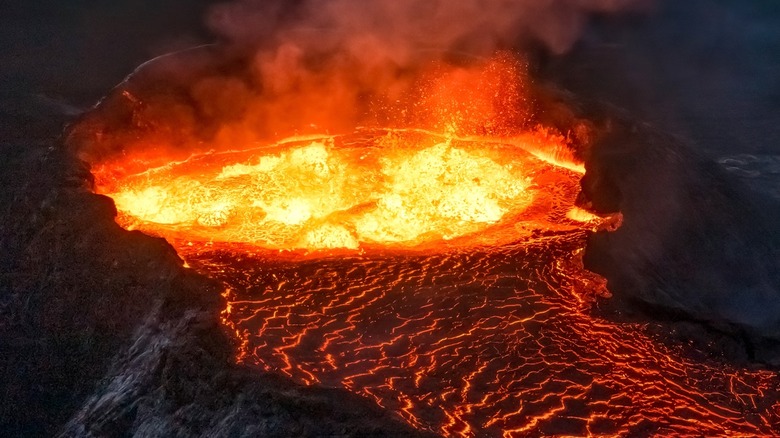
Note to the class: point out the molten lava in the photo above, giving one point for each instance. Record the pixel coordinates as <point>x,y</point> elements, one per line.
<point>380,188</point>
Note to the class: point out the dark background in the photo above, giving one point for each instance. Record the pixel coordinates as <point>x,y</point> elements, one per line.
<point>77,50</point>
<point>708,70</point>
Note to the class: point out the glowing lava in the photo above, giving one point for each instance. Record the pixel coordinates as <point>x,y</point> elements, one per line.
<point>488,342</point>
<point>396,188</point>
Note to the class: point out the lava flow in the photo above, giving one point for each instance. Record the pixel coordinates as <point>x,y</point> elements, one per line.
<point>435,271</point>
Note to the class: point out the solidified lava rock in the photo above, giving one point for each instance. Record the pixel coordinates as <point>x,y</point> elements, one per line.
<point>694,244</point>
<point>107,328</point>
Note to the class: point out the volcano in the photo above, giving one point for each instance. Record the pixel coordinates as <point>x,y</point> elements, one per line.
<point>438,274</point>
<point>292,240</point>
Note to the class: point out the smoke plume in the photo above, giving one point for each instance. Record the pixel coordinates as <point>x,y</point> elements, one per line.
<point>316,58</point>
<point>327,66</point>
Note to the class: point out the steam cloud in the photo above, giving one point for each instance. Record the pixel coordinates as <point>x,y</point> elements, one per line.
<point>330,57</point>
<point>315,66</point>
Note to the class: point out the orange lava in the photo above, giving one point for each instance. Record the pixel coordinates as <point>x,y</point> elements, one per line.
<point>483,333</point>
<point>372,189</point>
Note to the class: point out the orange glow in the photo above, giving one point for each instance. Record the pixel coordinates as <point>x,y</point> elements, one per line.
<point>400,188</point>
<point>498,341</point>
<point>452,161</point>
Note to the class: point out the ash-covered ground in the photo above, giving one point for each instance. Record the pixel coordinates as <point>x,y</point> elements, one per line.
<point>103,332</point>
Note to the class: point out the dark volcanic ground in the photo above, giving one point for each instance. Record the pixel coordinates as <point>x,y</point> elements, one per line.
<point>103,328</point>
